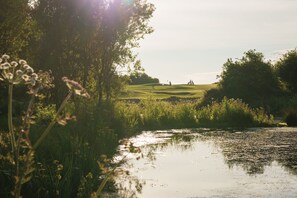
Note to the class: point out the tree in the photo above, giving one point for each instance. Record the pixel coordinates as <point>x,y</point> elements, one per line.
<point>142,78</point>
<point>88,40</point>
<point>286,69</point>
<point>18,31</point>
<point>250,78</point>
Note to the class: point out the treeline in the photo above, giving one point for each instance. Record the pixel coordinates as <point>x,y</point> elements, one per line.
<point>142,78</point>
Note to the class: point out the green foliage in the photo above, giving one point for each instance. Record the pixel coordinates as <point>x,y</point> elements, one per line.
<point>286,69</point>
<point>90,40</point>
<point>142,78</point>
<point>232,113</point>
<point>45,113</point>
<point>250,78</point>
<point>18,30</point>
<point>211,95</point>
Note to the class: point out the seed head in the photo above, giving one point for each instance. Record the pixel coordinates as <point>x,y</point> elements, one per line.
<point>34,76</point>
<point>25,77</point>
<point>9,76</point>
<point>5,66</point>
<point>19,72</point>
<point>22,62</point>
<point>5,57</point>
<point>14,63</point>
<point>76,87</point>
<point>28,69</point>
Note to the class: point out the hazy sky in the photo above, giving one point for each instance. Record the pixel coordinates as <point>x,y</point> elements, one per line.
<point>193,38</point>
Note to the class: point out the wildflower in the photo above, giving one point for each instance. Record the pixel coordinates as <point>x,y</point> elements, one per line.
<point>5,66</point>
<point>9,76</point>
<point>14,63</point>
<point>25,77</point>
<point>76,87</point>
<point>19,72</point>
<point>5,57</point>
<point>22,62</point>
<point>34,76</point>
<point>30,70</point>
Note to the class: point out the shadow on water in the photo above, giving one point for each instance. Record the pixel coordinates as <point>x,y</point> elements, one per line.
<point>243,159</point>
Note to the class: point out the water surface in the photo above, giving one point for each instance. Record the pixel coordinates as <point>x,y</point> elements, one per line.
<point>206,163</point>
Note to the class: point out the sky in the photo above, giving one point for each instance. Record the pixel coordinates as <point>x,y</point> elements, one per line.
<point>194,38</point>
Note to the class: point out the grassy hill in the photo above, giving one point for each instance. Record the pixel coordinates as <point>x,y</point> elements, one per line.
<point>160,91</point>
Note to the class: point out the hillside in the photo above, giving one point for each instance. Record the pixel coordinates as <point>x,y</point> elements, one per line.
<point>160,91</point>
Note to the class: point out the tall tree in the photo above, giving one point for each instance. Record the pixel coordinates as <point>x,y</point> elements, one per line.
<point>89,39</point>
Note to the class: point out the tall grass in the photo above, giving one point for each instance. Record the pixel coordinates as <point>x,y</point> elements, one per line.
<point>232,113</point>
<point>153,114</point>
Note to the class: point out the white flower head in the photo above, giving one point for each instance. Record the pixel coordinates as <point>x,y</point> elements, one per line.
<point>34,76</point>
<point>22,62</point>
<point>5,57</point>
<point>28,68</point>
<point>9,76</point>
<point>19,72</point>
<point>25,77</point>
<point>5,66</point>
<point>14,63</point>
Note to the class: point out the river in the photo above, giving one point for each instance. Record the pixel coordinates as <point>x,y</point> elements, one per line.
<point>258,162</point>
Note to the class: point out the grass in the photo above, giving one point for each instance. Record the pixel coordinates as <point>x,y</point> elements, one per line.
<point>159,91</point>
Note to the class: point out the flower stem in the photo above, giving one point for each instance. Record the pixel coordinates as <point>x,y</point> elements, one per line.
<point>53,122</point>
<point>10,123</point>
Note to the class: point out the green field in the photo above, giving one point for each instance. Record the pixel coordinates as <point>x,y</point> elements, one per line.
<point>160,91</point>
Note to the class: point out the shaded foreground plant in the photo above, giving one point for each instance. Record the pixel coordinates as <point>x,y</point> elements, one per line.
<point>22,150</point>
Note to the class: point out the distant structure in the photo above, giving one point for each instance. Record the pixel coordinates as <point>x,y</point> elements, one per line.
<point>191,82</point>
<point>169,83</point>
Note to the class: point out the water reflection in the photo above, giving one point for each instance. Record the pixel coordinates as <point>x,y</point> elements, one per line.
<point>207,163</point>
<point>254,150</point>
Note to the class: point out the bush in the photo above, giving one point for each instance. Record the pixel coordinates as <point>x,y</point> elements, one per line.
<point>232,113</point>
<point>250,78</point>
